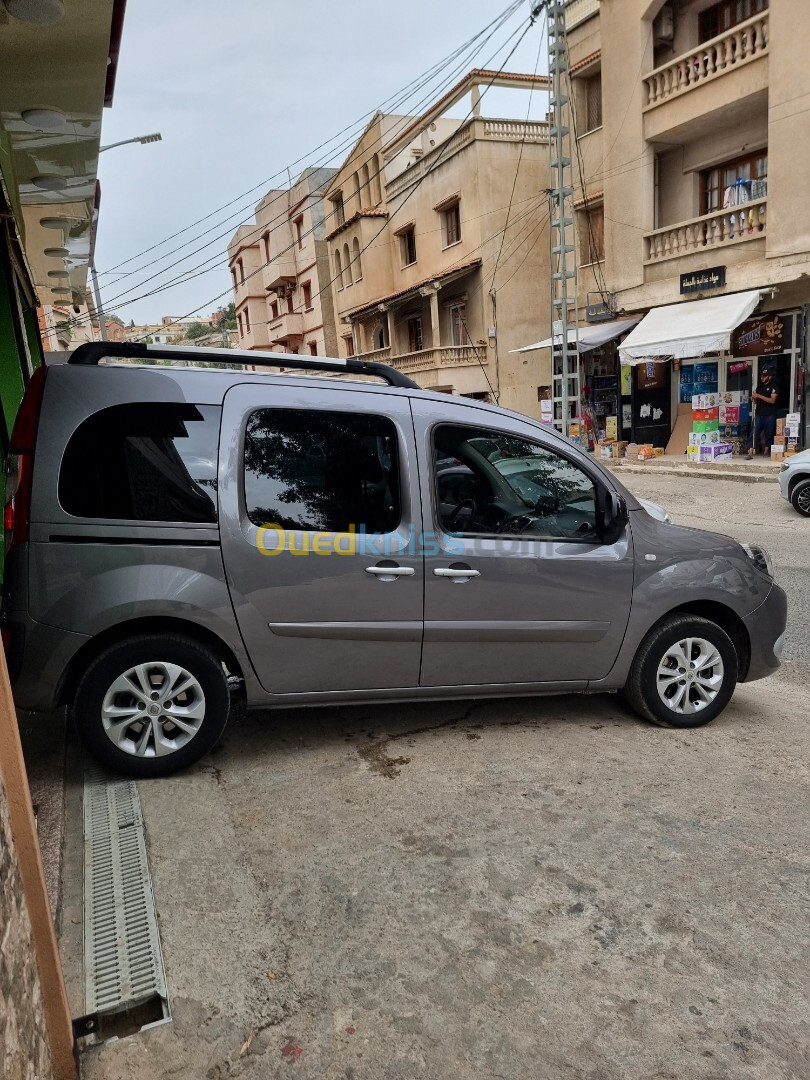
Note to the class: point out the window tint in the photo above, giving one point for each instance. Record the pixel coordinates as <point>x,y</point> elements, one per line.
<point>321,471</point>
<point>489,483</point>
<point>143,462</point>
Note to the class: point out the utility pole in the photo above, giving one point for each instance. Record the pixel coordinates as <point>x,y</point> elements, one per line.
<point>102,323</point>
<point>564,353</point>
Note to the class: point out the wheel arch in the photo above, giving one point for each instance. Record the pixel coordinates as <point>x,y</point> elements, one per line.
<point>145,625</point>
<point>727,619</point>
<point>799,478</point>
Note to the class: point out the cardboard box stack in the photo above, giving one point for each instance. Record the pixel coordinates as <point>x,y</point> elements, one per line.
<point>787,437</point>
<point>706,443</point>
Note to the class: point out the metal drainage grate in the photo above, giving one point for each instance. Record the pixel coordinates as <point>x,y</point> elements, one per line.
<point>123,965</point>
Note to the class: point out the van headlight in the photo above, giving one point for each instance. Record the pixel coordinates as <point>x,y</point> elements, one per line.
<point>759,557</point>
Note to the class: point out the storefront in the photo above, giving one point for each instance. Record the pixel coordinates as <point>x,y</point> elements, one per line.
<point>711,346</point>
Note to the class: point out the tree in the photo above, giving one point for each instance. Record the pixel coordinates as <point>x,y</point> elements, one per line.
<point>197,330</point>
<point>228,313</point>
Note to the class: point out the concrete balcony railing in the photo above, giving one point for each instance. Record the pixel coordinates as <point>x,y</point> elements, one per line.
<point>445,356</point>
<point>712,59</point>
<point>278,272</point>
<point>720,229</point>
<point>288,326</point>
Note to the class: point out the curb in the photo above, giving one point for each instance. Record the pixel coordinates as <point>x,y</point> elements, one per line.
<point>694,474</point>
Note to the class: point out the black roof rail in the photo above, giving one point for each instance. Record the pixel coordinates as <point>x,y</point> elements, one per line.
<point>93,351</point>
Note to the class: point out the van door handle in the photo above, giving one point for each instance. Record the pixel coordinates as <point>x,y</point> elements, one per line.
<point>457,573</point>
<point>390,573</point>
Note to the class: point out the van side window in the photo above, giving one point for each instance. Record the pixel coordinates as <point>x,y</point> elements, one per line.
<point>488,483</point>
<point>151,461</point>
<point>322,471</point>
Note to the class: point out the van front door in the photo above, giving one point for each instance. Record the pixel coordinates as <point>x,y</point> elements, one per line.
<point>520,586</point>
<point>318,522</point>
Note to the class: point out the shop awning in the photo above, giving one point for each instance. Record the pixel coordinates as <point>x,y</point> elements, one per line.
<point>687,330</point>
<point>590,336</point>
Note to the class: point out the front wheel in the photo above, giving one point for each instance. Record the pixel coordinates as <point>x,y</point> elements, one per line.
<point>800,497</point>
<point>151,704</point>
<point>684,672</point>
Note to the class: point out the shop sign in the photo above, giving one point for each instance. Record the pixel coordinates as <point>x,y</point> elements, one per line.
<point>740,366</point>
<point>601,307</point>
<point>702,280</point>
<point>759,337</point>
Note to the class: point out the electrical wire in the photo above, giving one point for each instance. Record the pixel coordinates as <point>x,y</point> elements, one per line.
<point>389,104</point>
<point>210,263</point>
<point>396,211</point>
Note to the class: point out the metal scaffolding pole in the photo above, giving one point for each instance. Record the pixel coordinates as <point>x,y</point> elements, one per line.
<point>564,353</point>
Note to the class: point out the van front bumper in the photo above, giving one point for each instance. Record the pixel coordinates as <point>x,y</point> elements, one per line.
<point>766,632</point>
<point>39,656</point>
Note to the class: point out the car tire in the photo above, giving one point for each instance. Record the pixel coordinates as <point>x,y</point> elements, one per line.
<point>800,497</point>
<point>150,705</point>
<point>703,664</point>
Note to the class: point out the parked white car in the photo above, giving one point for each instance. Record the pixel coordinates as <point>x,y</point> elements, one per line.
<point>794,482</point>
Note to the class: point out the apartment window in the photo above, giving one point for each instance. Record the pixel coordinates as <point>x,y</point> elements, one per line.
<point>274,309</point>
<point>721,17</point>
<point>339,211</point>
<point>338,270</point>
<point>247,321</point>
<point>349,340</point>
<point>458,324</point>
<point>313,348</point>
<point>415,334</point>
<point>233,277</point>
<point>299,231</point>
<point>591,228</point>
<point>306,289</point>
<point>407,244</point>
<point>290,303</point>
<point>593,102</point>
<point>239,324</point>
<point>347,265</point>
<point>358,266</point>
<point>719,187</point>
<point>266,242</point>
<point>451,224</point>
<point>241,267</point>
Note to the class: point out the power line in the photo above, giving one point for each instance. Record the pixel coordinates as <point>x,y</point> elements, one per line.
<point>189,274</point>
<point>354,129</point>
<point>387,222</point>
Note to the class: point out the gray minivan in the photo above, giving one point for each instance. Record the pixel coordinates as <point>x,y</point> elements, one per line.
<point>180,538</point>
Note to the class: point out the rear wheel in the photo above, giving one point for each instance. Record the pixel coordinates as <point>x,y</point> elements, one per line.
<point>800,497</point>
<point>152,704</point>
<point>684,672</point>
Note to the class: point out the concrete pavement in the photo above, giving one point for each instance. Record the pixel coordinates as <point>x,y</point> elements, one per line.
<point>541,888</point>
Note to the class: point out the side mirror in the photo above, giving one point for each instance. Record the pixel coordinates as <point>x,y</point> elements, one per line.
<point>614,515</point>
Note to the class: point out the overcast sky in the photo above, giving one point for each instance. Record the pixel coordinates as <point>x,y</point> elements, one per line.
<point>240,91</point>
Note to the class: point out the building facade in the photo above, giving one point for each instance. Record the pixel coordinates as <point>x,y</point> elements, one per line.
<point>438,252</point>
<point>278,265</point>
<point>691,122</point>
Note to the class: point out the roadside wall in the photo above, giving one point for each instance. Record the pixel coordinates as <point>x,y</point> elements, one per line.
<point>24,1053</point>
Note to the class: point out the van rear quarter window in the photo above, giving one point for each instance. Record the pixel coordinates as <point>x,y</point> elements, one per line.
<point>147,461</point>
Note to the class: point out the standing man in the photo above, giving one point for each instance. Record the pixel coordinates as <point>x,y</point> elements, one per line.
<point>764,400</point>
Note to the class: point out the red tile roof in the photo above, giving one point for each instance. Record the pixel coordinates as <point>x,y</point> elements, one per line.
<point>369,211</point>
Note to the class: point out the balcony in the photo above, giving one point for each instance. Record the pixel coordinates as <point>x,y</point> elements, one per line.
<point>728,64</point>
<point>287,327</point>
<point>278,272</point>
<point>743,43</point>
<point>724,228</point>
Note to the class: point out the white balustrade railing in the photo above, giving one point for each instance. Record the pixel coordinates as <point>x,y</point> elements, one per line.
<point>742,43</point>
<point>731,226</point>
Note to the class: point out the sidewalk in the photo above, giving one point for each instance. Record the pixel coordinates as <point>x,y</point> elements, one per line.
<point>757,471</point>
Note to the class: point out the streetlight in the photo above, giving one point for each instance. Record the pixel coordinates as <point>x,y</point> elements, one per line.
<point>143,139</point>
<point>156,137</point>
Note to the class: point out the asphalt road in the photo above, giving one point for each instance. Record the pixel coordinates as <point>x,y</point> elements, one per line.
<point>545,888</point>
